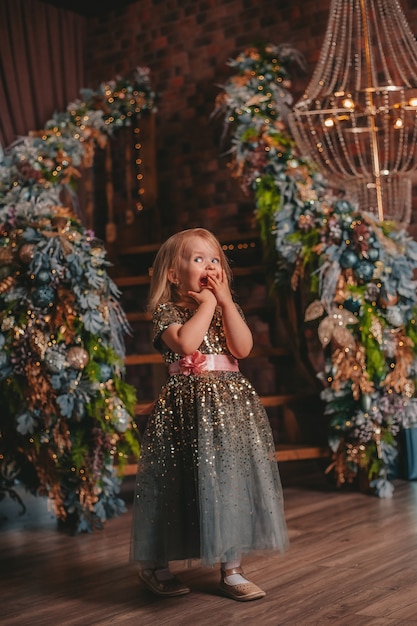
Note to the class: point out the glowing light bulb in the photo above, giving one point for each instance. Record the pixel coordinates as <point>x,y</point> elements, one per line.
<point>348,103</point>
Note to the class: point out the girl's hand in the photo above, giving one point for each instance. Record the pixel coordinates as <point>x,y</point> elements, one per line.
<point>220,288</point>
<point>206,295</point>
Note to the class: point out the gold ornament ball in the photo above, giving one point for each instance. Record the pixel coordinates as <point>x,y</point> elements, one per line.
<point>77,357</point>
<point>27,252</point>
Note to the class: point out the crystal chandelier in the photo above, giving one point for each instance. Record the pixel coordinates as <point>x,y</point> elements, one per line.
<point>358,116</point>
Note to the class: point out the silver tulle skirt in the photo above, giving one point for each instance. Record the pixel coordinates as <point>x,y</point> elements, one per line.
<point>207,485</point>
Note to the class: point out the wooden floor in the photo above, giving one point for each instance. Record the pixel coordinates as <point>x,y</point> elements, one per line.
<point>352,561</point>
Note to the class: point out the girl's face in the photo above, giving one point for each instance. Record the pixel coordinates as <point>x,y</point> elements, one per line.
<point>200,259</point>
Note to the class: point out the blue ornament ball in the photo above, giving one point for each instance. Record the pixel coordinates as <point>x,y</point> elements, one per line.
<point>54,360</point>
<point>43,277</point>
<point>394,316</point>
<point>43,296</point>
<point>348,259</point>
<point>342,206</point>
<point>352,305</point>
<point>373,254</point>
<point>105,372</point>
<point>364,270</point>
<point>121,419</point>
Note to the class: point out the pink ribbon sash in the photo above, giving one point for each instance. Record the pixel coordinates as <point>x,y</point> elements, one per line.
<point>196,363</point>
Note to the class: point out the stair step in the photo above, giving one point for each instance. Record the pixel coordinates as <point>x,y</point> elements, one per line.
<point>256,308</point>
<point>155,357</point>
<point>300,452</point>
<point>137,316</point>
<point>144,279</point>
<point>283,453</point>
<point>280,399</point>
<point>268,351</point>
<point>144,408</point>
<point>251,270</point>
<point>132,281</point>
<point>143,359</point>
<point>243,238</point>
<point>142,249</point>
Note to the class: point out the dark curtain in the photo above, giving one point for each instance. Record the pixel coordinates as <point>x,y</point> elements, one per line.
<point>41,64</point>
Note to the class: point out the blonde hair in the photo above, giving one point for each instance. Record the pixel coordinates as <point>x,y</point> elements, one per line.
<point>168,257</point>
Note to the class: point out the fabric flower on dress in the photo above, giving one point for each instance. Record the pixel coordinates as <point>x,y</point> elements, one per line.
<point>194,363</point>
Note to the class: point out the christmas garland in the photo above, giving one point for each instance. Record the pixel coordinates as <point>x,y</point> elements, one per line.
<point>359,272</point>
<point>66,417</point>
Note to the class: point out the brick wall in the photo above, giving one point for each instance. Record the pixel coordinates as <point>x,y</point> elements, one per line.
<point>186,44</point>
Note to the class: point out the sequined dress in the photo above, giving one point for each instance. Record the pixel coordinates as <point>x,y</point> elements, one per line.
<point>207,485</point>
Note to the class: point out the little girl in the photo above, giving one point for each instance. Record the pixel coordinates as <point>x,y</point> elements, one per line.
<point>207,485</point>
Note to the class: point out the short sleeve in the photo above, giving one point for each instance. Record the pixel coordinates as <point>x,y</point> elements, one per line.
<point>164,316</point>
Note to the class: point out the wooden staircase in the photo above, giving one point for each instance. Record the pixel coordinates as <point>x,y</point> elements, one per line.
<point>271,366</point>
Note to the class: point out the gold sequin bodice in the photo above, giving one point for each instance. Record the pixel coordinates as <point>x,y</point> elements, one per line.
<point>214,341</point>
